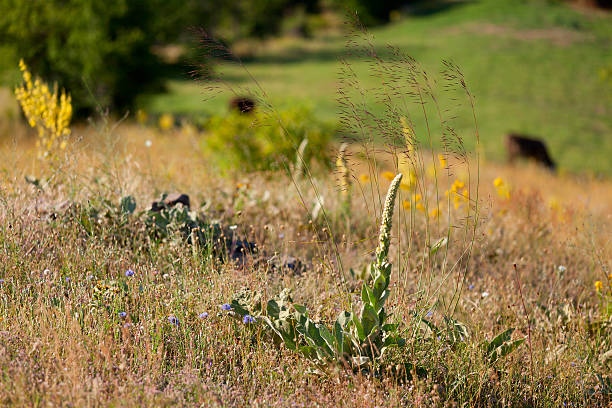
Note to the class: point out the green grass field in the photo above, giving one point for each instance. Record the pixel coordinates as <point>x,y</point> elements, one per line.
<point>534,67</point>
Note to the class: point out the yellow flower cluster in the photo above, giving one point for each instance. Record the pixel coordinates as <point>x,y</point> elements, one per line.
<point>434,213</point>
<point>458,193</point>
<point>388,175</point>
<point>48,112</point>
<point>599,285</point>
<point>502,188</point>
<point>415,200</point>
<point>166,121</point>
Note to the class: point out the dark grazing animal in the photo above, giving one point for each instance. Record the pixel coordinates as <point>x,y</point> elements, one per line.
<point>169,201</point>
<point>242,104</point>
<point>527,147</point>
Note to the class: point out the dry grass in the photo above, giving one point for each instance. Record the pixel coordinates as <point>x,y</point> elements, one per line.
<point>57,351</point>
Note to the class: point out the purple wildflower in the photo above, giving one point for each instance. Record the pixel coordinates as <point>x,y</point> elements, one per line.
<point>203,315</point>
<point>226,307</point>
<point>122,314</point>
<point>129,273</point>
<point>173,320</point>
<point>248,319</point>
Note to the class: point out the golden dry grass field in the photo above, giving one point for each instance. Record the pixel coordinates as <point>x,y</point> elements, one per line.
<point>78,329</point>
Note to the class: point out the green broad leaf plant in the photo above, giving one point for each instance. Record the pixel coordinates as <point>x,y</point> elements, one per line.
<point>358,340</point>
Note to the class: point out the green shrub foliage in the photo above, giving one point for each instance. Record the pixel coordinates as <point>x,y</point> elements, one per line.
<point>261,141</point>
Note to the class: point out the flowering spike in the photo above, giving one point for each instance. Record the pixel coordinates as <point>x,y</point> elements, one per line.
<point>384,239</point>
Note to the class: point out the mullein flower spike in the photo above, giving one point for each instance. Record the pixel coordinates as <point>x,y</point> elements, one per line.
<point>384,239</point>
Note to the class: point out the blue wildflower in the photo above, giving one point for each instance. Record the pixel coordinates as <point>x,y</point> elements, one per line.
<point>203,315</point>
<point>173,320</point>
<point>1,281</point>
<point>129,273</point>
<point>226,307</point>
<point>429,314</point>
<point>471,287</point>
<point>248,319</point>
<point>67,279</point>
<point>122,314</point>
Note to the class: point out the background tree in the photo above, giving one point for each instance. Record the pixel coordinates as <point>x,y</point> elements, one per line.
<point>99,50</point>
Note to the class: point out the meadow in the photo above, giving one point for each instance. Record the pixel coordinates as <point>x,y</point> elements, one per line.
<point>523,60</point>
<point>388,260</point>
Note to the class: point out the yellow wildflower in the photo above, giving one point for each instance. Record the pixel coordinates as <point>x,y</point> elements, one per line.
<point>416,197</point>
<point>434,213</point>
<point>598,286</point>
<point>443,161</point>
<point>420,207</point>
<point>457,185</point>
<point>166,121</point>
<point>458,198</point>
<point>388,175</point>
<point>406,205</point>
<point>364,178</point>
<point>504,193</point>
<point>501,187</point>
<point>553,204</point>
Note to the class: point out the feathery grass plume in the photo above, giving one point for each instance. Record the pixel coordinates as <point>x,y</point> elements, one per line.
<point>47,111</point>
<point>298,171</point>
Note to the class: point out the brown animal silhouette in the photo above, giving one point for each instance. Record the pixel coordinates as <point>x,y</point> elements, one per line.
<point>527,147</point>
<point>242,104</point>
<point>169,201</point>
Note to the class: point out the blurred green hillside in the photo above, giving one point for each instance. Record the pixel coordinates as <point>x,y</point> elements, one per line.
<point>542,68</point>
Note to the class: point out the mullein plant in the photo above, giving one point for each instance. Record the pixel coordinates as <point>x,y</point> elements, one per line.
<point>47,110</point>
<point>344,180</point>
<point>358,340</point>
